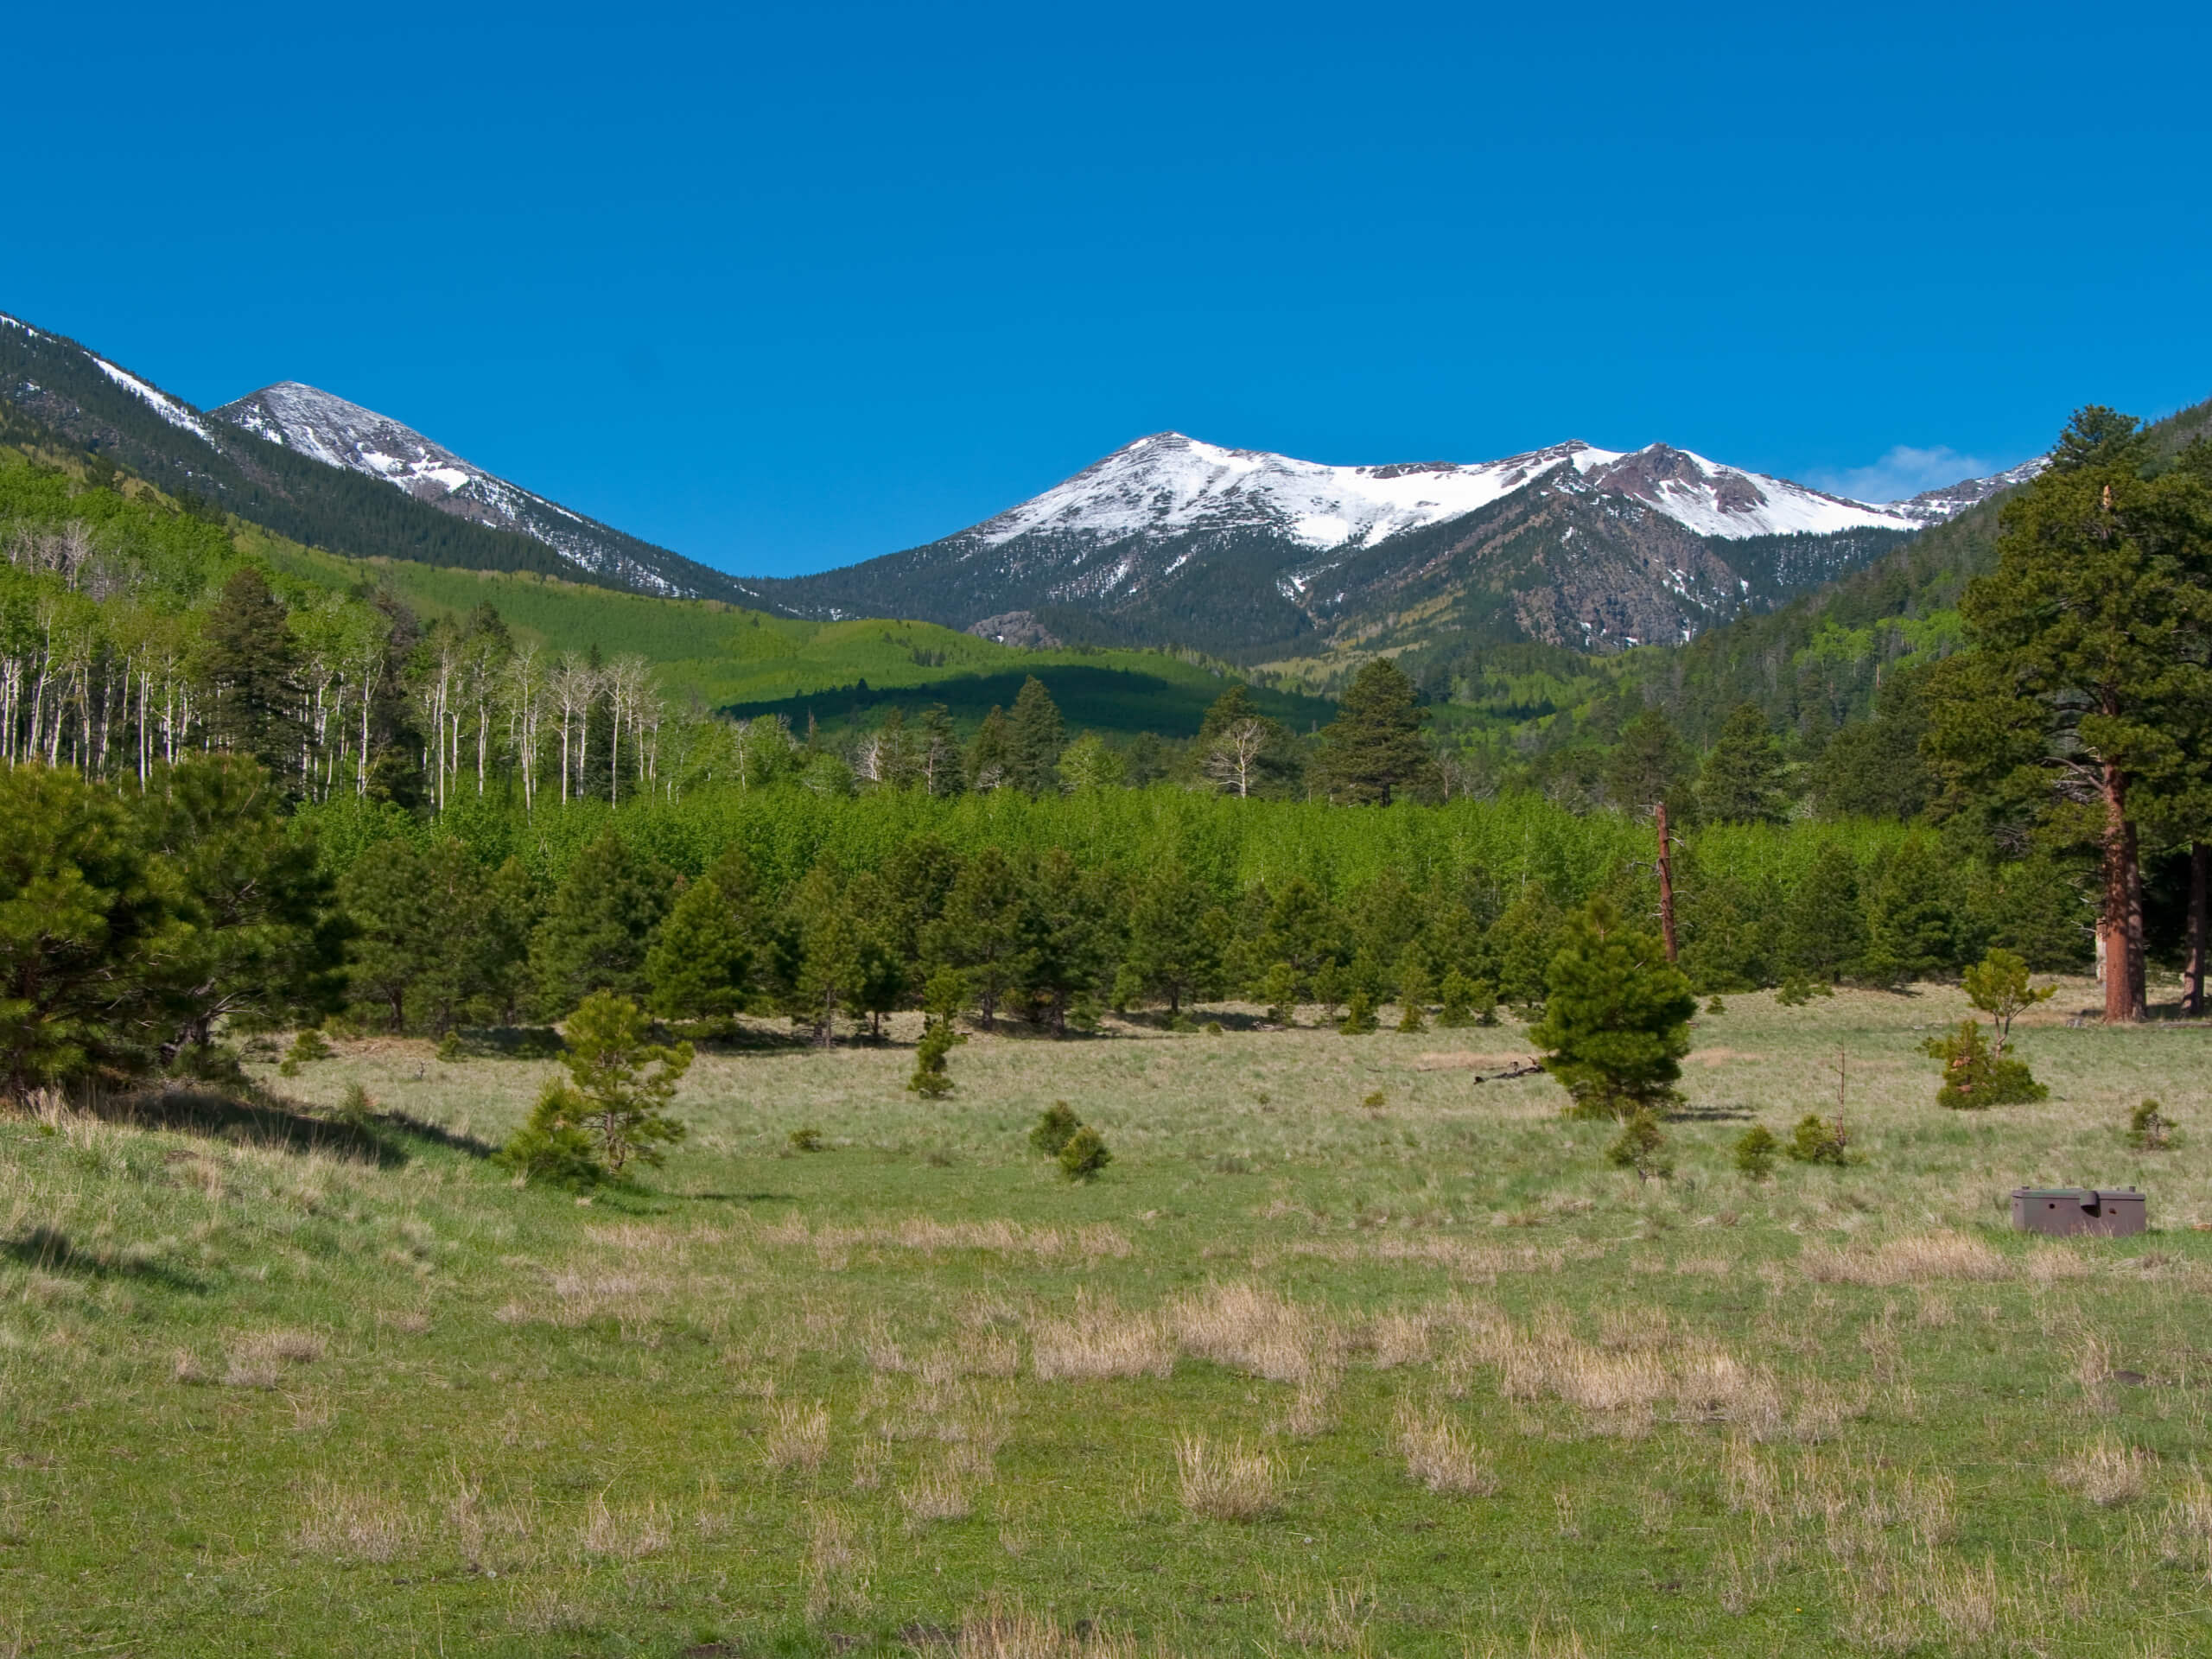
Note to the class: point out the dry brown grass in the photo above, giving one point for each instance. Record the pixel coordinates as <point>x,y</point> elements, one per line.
<point>1338,1622</point>
<point>1255,1330</point>
<point>1225,1483</point>
<point>344,1525</point>
<point>1443,1458</point>
<point>935,1495</point>
<point>1008,1630</point>
<point>1919,1259</point>
<point>625,1534</point>
<point>837,1566</point>
<point>798,1439</point>
<point>2105,1472</point>
<point>1100,1341</point>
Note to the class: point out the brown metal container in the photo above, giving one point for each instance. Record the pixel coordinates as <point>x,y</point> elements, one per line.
<point>2070,1209</point>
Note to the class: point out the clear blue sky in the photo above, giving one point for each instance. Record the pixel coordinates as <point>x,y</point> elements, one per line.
<point>785,287</point>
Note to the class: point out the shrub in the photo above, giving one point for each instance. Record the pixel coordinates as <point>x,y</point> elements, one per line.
<point>308,1046</point>
<point>2149,1129</point>
<point>1797,990</point>
<point>1754,1152</point>
<point>1055,1126</point>
<point>1998,985</point>
<point>553,1146</point>
<point>1329,988</point>
<point>1359,1016</point>
<point>1412,992</point>
<point>1975,1075</point>
<point>449,1048</point>
<point>807,1140</point>
<point>1280,989</point>
<point>930,1079</point>
<point>1375,1102</point>
<point>1616,1024</point>
<point>1084,1156</point>
<point>1819,1141</point>
<point>1642,1146</point>
<point>1716,1006</point>
<point>357,1106</point>
<point>624,1081</point>
<point>1213,1028</point>
<point>1457,1007</point>
<point>1083,1012</point>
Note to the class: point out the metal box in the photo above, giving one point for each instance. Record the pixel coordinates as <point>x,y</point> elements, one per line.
<point>2068,1209</point>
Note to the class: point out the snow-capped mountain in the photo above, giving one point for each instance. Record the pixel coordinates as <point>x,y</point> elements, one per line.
<point>316,469</point>
<point>315,422</point>
<point>1935,506</point>
<point>1238,550</point>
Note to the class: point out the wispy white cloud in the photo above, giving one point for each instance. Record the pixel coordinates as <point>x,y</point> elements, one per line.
<point>1903,471</point>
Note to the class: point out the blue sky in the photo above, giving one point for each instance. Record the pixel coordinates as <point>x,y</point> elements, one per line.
<point>786,287</point>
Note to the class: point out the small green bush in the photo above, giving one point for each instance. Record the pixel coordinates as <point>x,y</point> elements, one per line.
<point>1280,989</point>
<point>1754,1152</point>
<point>1642,1146</point>
<point>930,1079</point>
<point>554,1147</point>
<point>1797,990</point>
<point>449,1048</point>
<point>1084,1156</point>
<point>1456,1004</point>
<point>2149,1129</point>
<point>1055,1127</point>
<point>357,1106</point>
<point>1716,1006</point>
<point>1819,1141</point>
<point>1375,1102</point>
<point>308,1046</point>
<point>1083,1012</point>
<point>1977,1076</point>
<point>807,1139</point>
<point>1359,1016</point>
<point>1213,1028</point>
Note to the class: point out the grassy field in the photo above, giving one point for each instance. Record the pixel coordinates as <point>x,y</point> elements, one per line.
<point>1346,1353</point>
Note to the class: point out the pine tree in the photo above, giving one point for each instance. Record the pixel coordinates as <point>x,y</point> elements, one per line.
<point>1175,937</point>
<point>701,956</point>
<point>2090,668</point>
<point>251,664</point>
<point>1913,928</point>
<point>85,919</point>
<point>1742,782</point>
<point>979,931</point>
<point>1064,937</point>
<point>1373,750</point>
<point>1616,1017</point>
<point>1522,941</point>
<point>624,1081</point>
<point>599,927</point>
<point>989,764</point>
<point>1650,764</point>
<point>1824,927</point>
<point>1413,990</point>
<point>1089,764</point>
<point>1035,736</point>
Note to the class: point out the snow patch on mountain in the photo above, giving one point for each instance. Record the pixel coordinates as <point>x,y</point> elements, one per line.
<point>160,402</point>
<point>1933,506</point>
<point>341,434</point>
<point>1168,484</point>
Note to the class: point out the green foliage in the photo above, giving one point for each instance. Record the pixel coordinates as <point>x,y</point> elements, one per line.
<point>1329,989</point>
<point>931,1080</point>
<point>251,663</point>
<point>1913,927</point>
<point>308,1046</point>
<point>1641,1146</point>
<point>1819,1141</point>
<point>1796,990</point>
<point>1036,736</point>
<point>553,1146</point>
<point>1716,1006</point>
<point>701,958</point>
<point>1824,926</point>
<point>1413,990</point>
<point>624,1080</point>
<point>1998,985</point>
<point>1372,751</point>
<point>1650,765</point>
<point>86,921</point>
<point>356,1107</point>
<point>449,1049</point>
<point>1755,1150</point>
<point>806,1140</point>
<point>1457,1008</point>
<point>1055,1127</point>
<point>1744,778</point>
<point>598,925</point>
<point>1281,990</point>
<point>1359,1019</point>
<point>2149,1129</point>
<point>1084,1156</point>
<point>1975,1075</point>
<point>1616,1023</point>
<point>1175,937</point>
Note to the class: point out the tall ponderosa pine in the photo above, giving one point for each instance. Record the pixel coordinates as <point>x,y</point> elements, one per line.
<point>1616,1016</point>
<point>2089,670</point>
<point>1373,750</point>
<point>1175,937</point>
<point>428,940</point>
<point>990,761</point>
<point>251,664</point>
<point>1913,926</point>
<point>1743,778</point>
<point>1036,734</point>
<point>700,958</point>
<point>1650,764</point>
<point>979,930</point>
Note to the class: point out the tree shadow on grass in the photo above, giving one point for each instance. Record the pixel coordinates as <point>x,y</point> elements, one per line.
<point>255,1118</point>
<point>49,1249</point>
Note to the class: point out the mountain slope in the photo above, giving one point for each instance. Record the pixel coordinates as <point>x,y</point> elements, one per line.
<point>91,403</point>
<point>329,429</point>
<point>1240,552</point>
